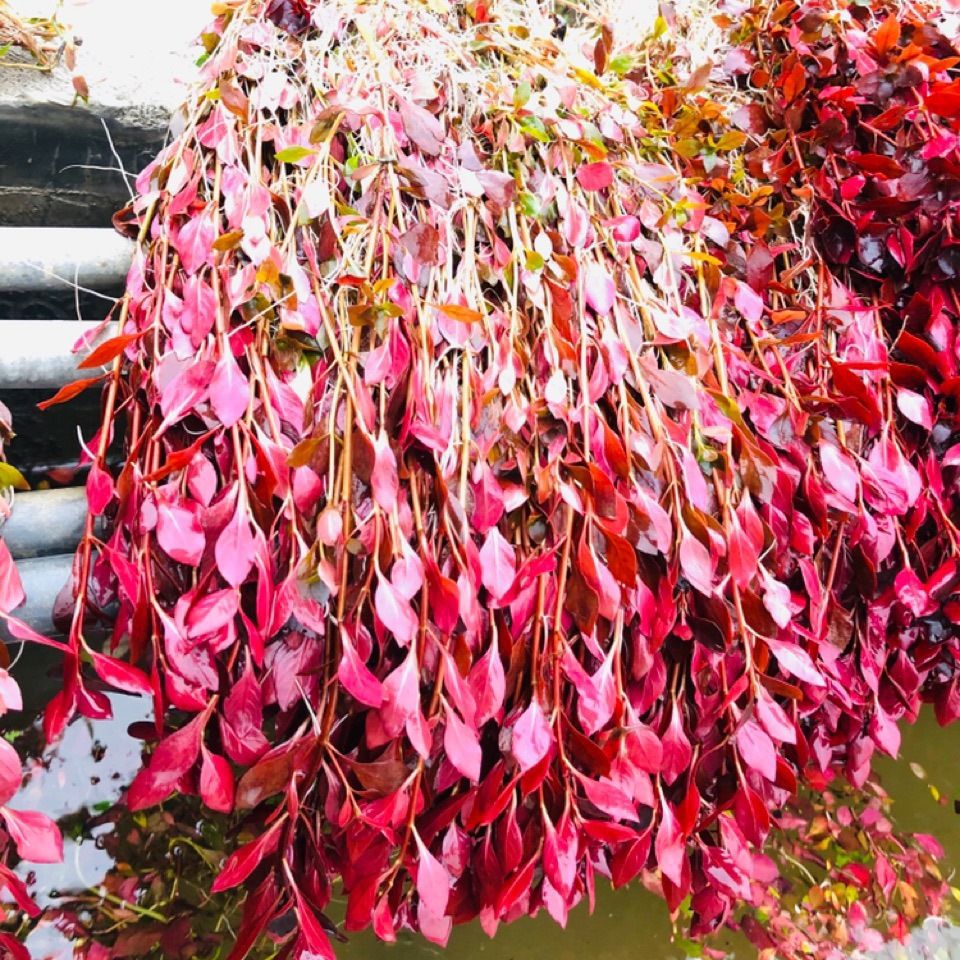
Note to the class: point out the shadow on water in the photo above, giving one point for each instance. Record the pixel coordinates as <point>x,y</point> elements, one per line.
<point>84,775</point>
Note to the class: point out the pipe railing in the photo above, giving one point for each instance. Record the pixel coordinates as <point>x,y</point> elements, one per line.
<point>38,353</point>
<point>45,526</point>
<point>58,258</point>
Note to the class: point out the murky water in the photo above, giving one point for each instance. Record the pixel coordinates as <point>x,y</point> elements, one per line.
<point>89,768</point>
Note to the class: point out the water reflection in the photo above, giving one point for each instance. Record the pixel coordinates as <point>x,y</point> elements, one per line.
<point>84,775</point>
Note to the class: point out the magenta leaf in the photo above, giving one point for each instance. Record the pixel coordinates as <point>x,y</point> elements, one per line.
<point>37,837</point>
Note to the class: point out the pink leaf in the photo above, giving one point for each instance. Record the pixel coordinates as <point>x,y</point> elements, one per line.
<point>915,407</point>
<point>236,547</point>
<point>669,847</point>
<point>677,751</point>
<point>358,681</point>
<point>625,229</point>
<point>179,532</point>
<point>748,301</point>
<point>11,771</point>
<point>488,684</point>
<point>796,662</point>
<point>433,882</point>
<point>401,694</point>
<point>532,737</point>
<point>11,588</point>
<point>697,564</point>
<point>422,127</point>
<point>384,477</point>
<point>498,564</point>
<point>840,470</point>
<point>229,390</point>
<point>595,176</point>
<point>600,292</point>
<point>462,746</point>
<point>395,612</point>
<point>37,837</point>
<point>757,749</point>
<point>99,489</point>
<point>774,719</point>
<point>123,676</point>
<point>10,698</point>
<point>195,242</point>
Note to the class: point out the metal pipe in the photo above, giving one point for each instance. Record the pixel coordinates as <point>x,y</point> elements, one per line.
<point>45,522</point>
<point>37,353</point>
<point>56,258</point>
<point>43,579</point>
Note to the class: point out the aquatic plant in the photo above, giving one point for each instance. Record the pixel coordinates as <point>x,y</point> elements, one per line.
<point>527,476</point>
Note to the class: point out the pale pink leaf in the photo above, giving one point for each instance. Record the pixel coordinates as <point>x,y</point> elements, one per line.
<point>498,564</point>
<point>462,746</point>
<point>395,612</point>
<point>532,737</point>
<point>229,390</point>
<point>384,478</point>
<point>599,289</point>
<point>236,547</point>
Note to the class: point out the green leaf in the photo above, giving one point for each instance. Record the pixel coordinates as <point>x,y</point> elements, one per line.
<point>534,260</point>
<point>534,127</point>
<point>10,476</point>
<point>529,205</point>
<point>521,95</point>
<point>621,64</point>
<point>293,154</point>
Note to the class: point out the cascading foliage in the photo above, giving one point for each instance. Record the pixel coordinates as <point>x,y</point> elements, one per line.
<point>538,454</point>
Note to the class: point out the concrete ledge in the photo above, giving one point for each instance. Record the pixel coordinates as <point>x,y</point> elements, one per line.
<point>56,161</point>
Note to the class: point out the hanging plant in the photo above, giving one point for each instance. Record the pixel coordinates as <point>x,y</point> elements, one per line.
<point>507,488</point>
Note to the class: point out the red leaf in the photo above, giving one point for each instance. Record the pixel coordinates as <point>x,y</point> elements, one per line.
<point>68,392</point>
<point>243,861</point>
<point>311,932</point>
<point>359,682</point>
<point>108,350</point>
<point>216,782</point>
<point>121,675</point>
<point>595,176</point>
<point>37,837</point>
<point>172,758</point>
